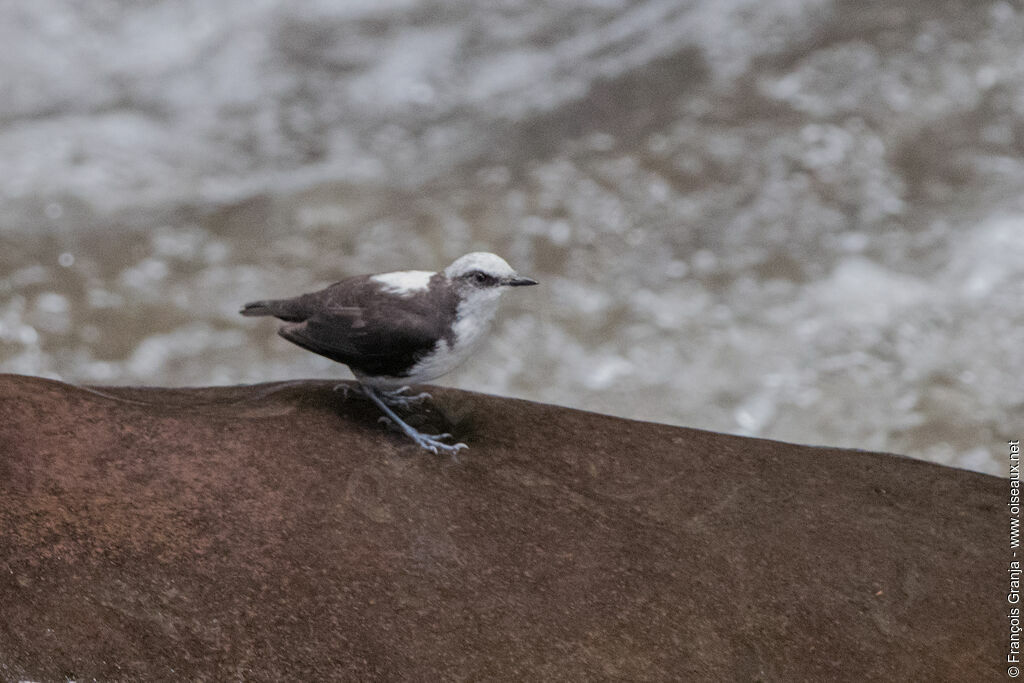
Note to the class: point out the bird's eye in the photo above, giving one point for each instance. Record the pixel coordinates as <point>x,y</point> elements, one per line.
<point>479,277</point>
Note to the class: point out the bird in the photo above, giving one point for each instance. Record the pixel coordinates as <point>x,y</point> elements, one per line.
<point>398,329</point>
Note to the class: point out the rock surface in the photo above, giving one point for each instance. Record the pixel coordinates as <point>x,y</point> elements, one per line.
<point>278,532</point>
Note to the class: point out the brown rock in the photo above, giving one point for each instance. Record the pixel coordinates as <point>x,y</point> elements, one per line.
<point>279,532</point>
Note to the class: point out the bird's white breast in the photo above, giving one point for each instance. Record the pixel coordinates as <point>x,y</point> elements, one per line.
<point>472,323</point>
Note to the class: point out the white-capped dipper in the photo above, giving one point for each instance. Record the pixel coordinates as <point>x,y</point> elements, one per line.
<point>397,329</point>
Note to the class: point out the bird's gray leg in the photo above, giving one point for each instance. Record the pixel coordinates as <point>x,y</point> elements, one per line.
<point>399,399</point>
<point>431,442</point>
<point>395,399</point>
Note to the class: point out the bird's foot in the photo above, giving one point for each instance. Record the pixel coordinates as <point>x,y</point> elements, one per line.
<point>433,443</point>
<point>430,442</point>
<point>347,390</point>
<point>399,399</point>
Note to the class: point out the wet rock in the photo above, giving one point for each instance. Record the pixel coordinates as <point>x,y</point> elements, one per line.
<point>278,531</point>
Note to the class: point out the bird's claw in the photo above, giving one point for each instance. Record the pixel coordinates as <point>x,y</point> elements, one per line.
<point>434,443</point>
<point>398,398</point>
<point>429,442</point>
<point>348,390</point>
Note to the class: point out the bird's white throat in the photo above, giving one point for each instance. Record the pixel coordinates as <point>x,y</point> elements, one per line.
<point>473,318</point>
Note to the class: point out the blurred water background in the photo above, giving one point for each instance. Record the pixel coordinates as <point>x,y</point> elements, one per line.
<point>799,219</point>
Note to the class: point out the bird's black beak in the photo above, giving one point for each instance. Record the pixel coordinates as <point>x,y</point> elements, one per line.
<point>520,281</point>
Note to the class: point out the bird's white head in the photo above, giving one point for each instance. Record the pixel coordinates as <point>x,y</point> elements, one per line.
<point>480,278</point>
<point>482,271</point>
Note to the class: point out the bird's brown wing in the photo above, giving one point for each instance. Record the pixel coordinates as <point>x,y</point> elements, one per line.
<point>385,338</point>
